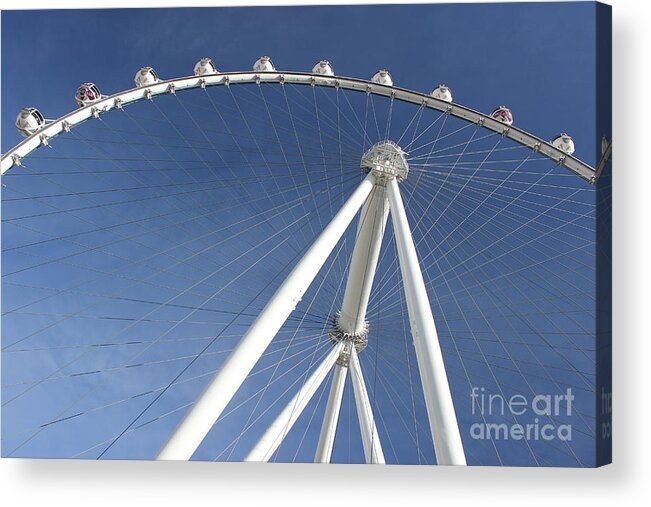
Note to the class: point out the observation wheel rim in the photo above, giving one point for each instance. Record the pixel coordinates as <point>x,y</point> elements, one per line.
<point>63,124</point>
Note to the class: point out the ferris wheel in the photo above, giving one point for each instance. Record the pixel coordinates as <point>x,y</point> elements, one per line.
<point>292,266</point>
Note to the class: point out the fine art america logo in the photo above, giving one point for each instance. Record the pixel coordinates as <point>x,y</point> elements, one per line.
<point>541,411</point>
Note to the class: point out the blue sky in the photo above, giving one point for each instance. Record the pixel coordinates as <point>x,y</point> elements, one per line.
<point>539,59</point>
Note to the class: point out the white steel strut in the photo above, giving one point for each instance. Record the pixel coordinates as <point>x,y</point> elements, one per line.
<point>440,409</point>
<point>350,326</point>
<point>386,161</point>
<point>275,434</point>
<point>203,414</point>
<point>350,331</point>
<point>370,438</point>
<point>329,427</point>
<point>372,222</point>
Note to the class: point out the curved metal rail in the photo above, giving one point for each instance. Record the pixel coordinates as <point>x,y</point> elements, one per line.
<point>14,156</point>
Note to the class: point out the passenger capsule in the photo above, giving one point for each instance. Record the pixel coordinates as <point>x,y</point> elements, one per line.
<point>383,77</point>
<point>29,121</point>
<point>503,114</point>
<point>442,92</point>
<point>564,143</point>
<point>324,68</point>
<point>264,64</point>
<point>145,77</point>
<point>205,66</point>
<point>87,93</point>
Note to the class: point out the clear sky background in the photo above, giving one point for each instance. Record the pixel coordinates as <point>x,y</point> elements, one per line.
<point>538,59</point>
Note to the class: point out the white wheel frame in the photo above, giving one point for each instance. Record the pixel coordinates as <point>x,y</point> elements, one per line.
<point>14,156</point>
<point>379,203</point>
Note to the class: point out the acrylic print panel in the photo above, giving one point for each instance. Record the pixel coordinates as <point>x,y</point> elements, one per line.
<point>320,255</point>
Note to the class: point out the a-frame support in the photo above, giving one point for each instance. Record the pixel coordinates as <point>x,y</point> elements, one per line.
<point>438,399</point>
<point>379,193</point>
<point>203,414</point>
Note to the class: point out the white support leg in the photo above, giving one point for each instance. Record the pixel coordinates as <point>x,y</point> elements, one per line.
<point>275,434</point>
<point>440,409</point>
<point>331,418</point>
<point>372,223</point>
<point>350,326</point>
<point>203,414</point>
<point>370,438</point>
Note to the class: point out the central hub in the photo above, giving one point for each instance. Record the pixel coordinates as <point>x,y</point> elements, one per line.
<point>358,340</point>
<point>387,161</point>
